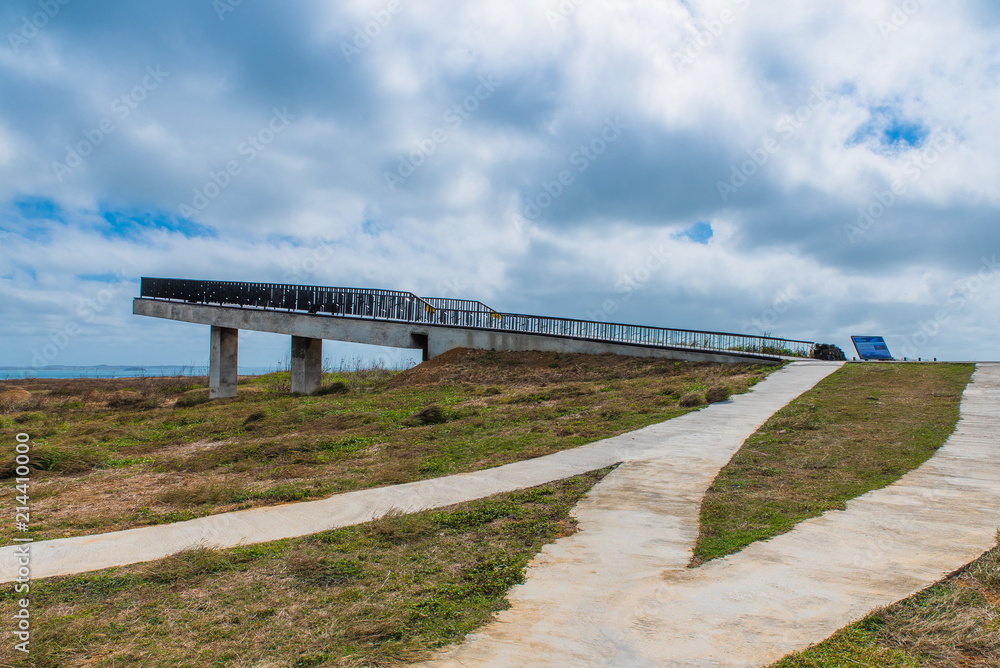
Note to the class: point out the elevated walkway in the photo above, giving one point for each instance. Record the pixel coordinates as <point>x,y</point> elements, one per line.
<point>398,319</point>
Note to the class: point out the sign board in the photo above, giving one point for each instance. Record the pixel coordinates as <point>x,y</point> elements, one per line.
<point>871,347</point>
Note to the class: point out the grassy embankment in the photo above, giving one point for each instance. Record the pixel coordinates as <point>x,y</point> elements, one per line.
<point>375,594</point>
<point>114,454</point>
<point>861,428</point>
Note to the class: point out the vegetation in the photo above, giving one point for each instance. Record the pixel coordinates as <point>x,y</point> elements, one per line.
<point>861,428</point>
<point>370,595</point>
<point>114,454</point>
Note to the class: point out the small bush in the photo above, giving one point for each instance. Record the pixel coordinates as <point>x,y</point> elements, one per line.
<point>13,399</point>
<point>124,400</point>
<point>337,387</point>
<point>433,414</point>
<point>256,416</point>
<point>692,399</point>
<point>192,398</point>
<point>718,393</point>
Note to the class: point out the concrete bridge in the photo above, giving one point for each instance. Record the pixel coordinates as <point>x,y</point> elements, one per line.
<point>310,314</point>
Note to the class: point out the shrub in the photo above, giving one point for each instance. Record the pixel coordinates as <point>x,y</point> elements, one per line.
<point>256,416</point>
<point>433,414</point>
<point>13,399</point>
<point>122,399</point>
<point>692,399</point>
<point>718,393</point>
<point>336,387</point>
<point>192,398</point>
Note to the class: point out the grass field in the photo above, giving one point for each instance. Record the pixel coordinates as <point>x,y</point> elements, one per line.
<point>861,428</point>
<point>114,454</point>
<point>375,594</point>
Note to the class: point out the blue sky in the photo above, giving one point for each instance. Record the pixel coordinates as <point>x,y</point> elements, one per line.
<point>802,169</point>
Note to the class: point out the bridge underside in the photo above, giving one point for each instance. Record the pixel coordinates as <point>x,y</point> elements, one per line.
<point>309,330</point>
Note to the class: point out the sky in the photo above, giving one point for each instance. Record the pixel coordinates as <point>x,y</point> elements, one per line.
<point>806,170</point>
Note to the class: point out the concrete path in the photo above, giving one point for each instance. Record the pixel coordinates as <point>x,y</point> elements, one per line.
<point>673,463</point>
<point>618,594</point>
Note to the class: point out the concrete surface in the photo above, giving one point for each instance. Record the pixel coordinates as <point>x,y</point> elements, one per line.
<point>433,339</point>
<point>223,362</point>
<point>306,364</point>
<point>618,593</point>
<point>670,464</point>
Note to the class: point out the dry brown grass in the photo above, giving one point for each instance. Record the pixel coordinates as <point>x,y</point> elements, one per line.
<point>142,451</point>
<point>14,399</point>
<point>379,594</point>
<point>861,428</point>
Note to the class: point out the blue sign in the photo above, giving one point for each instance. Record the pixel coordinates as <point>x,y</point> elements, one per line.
<point>871,348</point>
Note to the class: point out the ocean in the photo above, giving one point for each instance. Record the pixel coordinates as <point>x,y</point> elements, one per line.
<point>106,371</point>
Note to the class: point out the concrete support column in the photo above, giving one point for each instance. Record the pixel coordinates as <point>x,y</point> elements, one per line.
<point>223,358</point>
<point>307,364</point>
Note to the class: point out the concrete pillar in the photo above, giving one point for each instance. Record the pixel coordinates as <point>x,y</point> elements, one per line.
<point>307,364</point>
<point>223,358</point>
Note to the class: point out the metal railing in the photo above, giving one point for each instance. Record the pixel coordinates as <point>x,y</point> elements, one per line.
<point>407,307</point>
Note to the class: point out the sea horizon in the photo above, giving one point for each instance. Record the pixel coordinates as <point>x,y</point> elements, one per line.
<point>118,371</point>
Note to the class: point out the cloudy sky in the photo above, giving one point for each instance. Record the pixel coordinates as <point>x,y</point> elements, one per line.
<point>810,170</point>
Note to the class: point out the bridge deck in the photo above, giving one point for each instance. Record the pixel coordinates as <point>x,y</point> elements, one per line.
<point>404,320</point>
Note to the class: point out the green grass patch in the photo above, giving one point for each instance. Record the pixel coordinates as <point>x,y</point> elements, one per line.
<point>861,428</point>
<point>379,593</point>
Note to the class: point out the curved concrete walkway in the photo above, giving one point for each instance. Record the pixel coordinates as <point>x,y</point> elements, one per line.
<point>671,464</point>
<point>608,597</point>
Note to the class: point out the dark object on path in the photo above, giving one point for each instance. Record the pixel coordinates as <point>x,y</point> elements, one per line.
<point>829,352</point>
